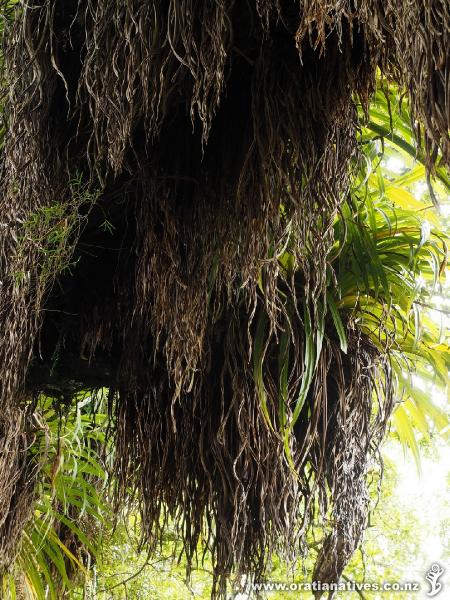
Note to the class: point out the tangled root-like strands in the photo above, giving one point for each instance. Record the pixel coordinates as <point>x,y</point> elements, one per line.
<point>19,474</point>
<point>235,495</point>
<point>422,62</point>
<point>209,134</point>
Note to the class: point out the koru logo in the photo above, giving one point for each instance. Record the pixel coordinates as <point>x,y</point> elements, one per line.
<point>435,572</point>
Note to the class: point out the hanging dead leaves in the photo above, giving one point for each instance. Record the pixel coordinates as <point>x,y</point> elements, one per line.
<point>209,136</point>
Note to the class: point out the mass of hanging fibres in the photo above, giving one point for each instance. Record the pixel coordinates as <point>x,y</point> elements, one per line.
<point>219,132</point>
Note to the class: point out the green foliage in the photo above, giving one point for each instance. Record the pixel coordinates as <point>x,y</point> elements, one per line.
<point>392,252</point>
<point>51,229</point>
<point>62,539</point>
<point>387,271</point>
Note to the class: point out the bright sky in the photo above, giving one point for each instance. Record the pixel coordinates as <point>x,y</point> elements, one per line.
<point>429,496</point>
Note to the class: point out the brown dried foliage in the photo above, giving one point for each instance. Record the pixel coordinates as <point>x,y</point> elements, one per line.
<point>213,129</point>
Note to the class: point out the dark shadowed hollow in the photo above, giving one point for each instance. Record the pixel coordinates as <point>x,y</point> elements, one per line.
<point>158,155</point>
